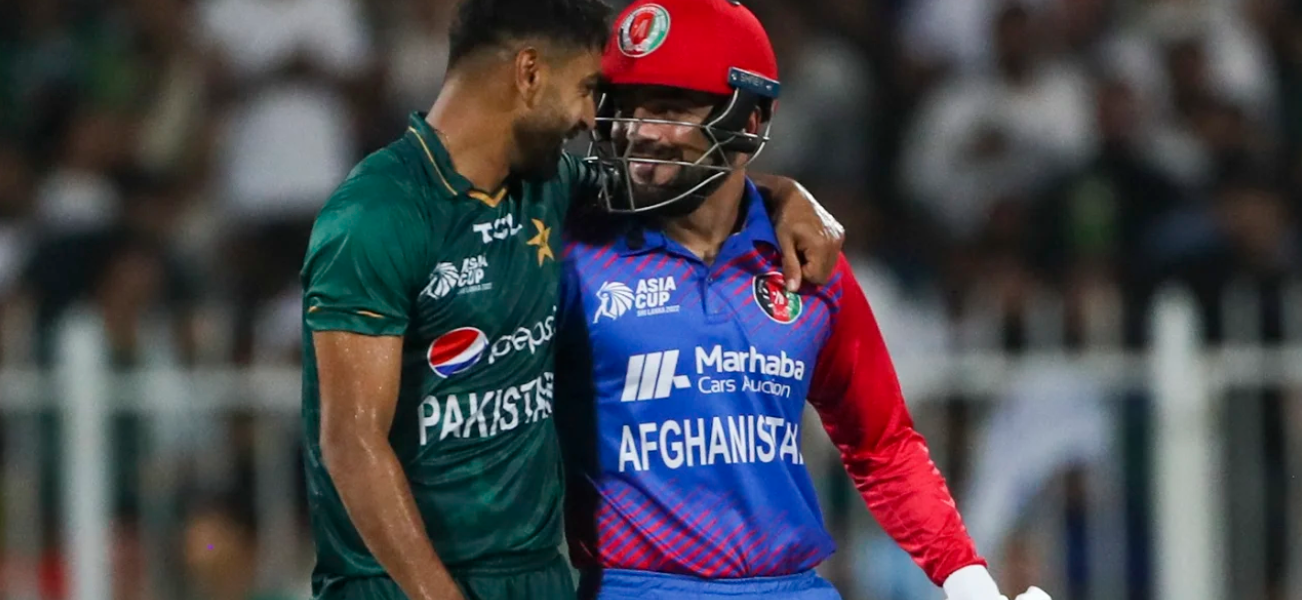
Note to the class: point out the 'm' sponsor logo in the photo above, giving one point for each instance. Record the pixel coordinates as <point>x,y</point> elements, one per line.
<point>653,376</point>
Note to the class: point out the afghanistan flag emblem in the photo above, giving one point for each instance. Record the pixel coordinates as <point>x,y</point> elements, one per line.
<point>770,292</point>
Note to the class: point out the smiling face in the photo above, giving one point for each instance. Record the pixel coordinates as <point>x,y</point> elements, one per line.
<point>564,110</point>
<point>660,132</point>
<point>669,129</point>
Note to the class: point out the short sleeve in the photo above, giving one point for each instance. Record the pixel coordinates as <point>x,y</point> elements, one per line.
<point>583,180</point>
<point>364,262</point>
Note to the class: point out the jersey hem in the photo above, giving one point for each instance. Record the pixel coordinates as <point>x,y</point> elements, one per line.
<point>508,564</point>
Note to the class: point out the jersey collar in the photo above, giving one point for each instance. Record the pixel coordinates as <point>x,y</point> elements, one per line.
<point>756,230</point>
<point>759,226</point>
<point>439,163</point>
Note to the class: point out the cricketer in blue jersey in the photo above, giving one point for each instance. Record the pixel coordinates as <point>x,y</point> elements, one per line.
<point>684,363</point>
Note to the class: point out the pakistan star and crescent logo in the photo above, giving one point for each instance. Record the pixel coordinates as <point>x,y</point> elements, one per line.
<point>541,241</point>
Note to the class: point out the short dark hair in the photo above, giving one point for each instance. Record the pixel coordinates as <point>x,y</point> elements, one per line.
<point>482,24</point>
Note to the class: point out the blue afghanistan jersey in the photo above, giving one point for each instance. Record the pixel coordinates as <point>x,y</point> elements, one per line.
<point>680,388</point>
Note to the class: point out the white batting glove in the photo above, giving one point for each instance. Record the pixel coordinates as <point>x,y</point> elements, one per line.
<point>1034,593</point>
<point>972,583</point>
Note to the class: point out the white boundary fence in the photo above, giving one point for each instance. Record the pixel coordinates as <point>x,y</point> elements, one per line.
<point>1185,380</point>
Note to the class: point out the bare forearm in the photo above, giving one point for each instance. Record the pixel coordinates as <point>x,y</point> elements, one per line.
<point>778,187</point>
<point>378,499</point>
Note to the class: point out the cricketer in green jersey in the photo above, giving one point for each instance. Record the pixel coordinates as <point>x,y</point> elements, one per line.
<point>430,289</point>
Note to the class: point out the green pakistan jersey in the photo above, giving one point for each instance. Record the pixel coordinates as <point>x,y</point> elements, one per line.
<point>406,247</point>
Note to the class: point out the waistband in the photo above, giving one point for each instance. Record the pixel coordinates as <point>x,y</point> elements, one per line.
<point>508,564</point>
<point>649,585</point>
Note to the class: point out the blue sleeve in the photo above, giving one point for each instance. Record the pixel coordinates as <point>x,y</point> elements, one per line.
<point>573,348</point>
<point>570,307</point>
<point>575,398</point>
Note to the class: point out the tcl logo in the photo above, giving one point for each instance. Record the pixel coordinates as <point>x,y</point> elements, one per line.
<point>498,229</point>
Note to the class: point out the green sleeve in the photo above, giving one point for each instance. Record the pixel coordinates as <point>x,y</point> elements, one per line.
<point>365,262</point>
<point>582,179</point>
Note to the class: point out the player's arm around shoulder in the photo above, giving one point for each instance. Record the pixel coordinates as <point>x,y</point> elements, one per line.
<point>809,236</point>
<point>581,182</point>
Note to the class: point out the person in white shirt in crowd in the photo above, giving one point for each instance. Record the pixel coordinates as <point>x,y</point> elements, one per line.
<point>288,134</point>
<point>999,135</point>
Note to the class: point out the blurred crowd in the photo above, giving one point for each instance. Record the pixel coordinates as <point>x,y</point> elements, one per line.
<point>161,161</point>
<point>164,159</point>
<point>989,153</point>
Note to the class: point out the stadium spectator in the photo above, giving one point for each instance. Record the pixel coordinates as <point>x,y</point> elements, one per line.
<point>999,136</point>
<point>288,135</point>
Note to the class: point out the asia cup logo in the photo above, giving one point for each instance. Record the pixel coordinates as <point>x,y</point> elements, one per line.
<point>616,298</point>
<point>443,280</point>
<point>456,351</point>
<point>770,292</point>
<point>643,30</point>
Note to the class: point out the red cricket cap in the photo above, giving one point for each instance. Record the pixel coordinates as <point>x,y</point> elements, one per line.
<point>713,46</point>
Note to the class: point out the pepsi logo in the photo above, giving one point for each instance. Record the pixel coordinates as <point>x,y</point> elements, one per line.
<point>456,351</point>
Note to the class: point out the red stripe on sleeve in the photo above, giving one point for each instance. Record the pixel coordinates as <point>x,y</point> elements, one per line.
<point>857,395</point>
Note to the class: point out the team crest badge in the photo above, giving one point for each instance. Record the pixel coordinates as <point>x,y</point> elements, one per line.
<point>770,292</point>
<point>644,30</point>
